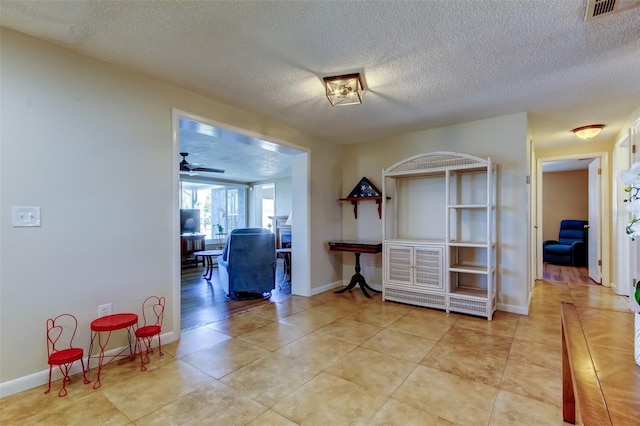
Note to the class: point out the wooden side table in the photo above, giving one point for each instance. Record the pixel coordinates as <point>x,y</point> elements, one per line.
<point>357,247</point>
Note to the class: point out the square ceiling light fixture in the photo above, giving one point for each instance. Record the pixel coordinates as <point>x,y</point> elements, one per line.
<point>587,132</point>
<point>344,89</point>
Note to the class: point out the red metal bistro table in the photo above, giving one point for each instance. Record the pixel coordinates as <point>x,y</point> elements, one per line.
<point>102,327</point>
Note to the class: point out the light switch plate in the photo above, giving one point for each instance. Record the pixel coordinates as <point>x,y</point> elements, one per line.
<point>25,216</point>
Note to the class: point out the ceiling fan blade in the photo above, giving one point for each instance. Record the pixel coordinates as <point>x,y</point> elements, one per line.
<point>207,169</point>
<point>195,167</point>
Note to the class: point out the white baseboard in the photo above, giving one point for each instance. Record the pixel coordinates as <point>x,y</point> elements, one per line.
<point>326,287</point>
<point>514,309</point>
<point>40,378</point>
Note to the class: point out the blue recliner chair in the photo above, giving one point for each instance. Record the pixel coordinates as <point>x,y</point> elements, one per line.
<point>247,266</point>
<point>571,247</point>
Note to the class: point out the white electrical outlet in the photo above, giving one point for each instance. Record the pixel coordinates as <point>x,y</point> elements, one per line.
<point>104,310</point>
<point>25,216</point>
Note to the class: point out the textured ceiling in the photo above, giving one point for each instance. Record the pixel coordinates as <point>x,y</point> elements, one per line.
<point>243,158</point>
<point>425,63</point>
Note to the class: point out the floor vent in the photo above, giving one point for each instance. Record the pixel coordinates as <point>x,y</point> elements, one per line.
<point>598,8</point>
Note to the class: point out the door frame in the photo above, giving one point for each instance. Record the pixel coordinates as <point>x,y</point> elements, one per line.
<point>626,251</point>
<point>604,217</point>
<point>300,177</point>
<point>622,276</point>
<point>594,173</point>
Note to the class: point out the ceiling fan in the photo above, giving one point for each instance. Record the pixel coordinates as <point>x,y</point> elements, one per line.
<point>195,167</point>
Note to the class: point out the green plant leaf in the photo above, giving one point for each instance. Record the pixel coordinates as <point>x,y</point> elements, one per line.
<point>637,293</point>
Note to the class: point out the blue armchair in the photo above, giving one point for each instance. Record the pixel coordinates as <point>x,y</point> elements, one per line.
<point>571,247</point>
<point>247,266</point>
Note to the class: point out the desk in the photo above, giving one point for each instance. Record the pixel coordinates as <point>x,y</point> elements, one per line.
<point>107,324</point>
<point>357,247</point>
<point>600,379</point>
<point>208,256</point>
<point>286,256</point>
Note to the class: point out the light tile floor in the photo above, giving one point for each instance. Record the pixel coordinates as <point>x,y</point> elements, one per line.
<point>336,360</point>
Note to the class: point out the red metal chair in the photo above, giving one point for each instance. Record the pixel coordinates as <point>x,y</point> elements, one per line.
<point>61,331</point>
<point>152,316</point>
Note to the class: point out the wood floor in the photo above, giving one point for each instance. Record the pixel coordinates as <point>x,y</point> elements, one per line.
<point>567,274</point>
<point>205,302</point>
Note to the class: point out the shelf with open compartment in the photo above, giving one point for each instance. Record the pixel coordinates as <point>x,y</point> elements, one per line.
<point>447,199</point>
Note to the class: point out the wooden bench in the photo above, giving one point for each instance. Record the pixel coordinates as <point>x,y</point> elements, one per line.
<point>593,372</point>
<point>579,378</point>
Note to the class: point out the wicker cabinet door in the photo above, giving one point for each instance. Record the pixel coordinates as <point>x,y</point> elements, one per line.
<point>429,266</point>
<point>399,264</point>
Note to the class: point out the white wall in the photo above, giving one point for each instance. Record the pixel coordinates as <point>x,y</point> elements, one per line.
<point>565,195</point>
<point>504,139</point>
<point>283,196</point>
<point>90,144</point>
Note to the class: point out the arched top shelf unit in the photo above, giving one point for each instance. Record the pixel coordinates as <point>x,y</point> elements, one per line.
<point>436,162</point>
<point>439,232</point>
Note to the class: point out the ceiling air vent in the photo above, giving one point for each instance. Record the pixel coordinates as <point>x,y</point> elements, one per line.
<point>598,8</point>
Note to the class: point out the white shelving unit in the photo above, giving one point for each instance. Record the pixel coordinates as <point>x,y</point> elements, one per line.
<point>439,233</point>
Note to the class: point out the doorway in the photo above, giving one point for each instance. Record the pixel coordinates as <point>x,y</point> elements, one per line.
<point>599,193</point>
<point>239,141</point>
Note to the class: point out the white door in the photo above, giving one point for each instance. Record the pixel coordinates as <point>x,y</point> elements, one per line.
<point>595,271</point>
